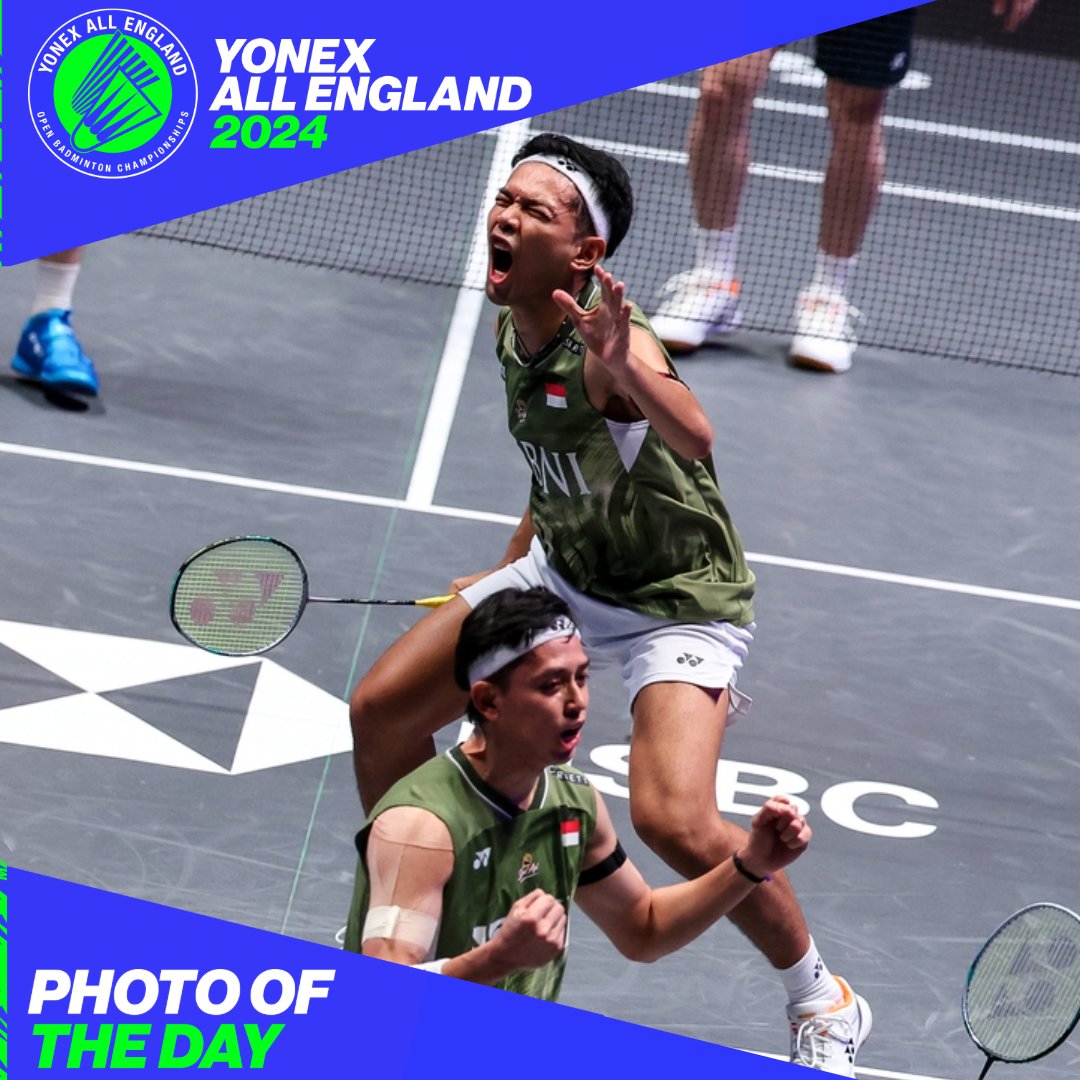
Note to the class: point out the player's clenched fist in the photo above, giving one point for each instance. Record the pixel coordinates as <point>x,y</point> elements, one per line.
<point>533,932</point>
<point>779,834</point>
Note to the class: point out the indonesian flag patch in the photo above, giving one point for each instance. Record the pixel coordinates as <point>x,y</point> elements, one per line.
<point>571,833</point>
<point>556,395</point>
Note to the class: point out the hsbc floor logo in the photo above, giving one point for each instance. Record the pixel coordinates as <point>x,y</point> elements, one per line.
<point>157,703</point>
<point>741,787</point>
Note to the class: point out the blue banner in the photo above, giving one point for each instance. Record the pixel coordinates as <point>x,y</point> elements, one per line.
<point>99,981</point>
<point>116,119</point>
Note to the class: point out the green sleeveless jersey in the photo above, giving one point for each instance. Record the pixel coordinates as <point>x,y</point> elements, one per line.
<point>501,853</point>
<point>621,516</point>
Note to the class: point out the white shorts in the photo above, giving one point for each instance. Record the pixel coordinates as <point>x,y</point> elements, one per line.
<point>649,650</point>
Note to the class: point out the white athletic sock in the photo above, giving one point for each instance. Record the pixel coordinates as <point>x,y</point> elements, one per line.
<point>55,285</point>
<point>810,979</point>
<point>716,250</point>
<point>833,273</point>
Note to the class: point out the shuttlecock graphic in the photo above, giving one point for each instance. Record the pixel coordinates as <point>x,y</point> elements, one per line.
<point>110,99</point>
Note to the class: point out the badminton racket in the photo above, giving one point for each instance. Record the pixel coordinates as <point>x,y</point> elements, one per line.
<point>244,595</point>
<point>1022,998</point>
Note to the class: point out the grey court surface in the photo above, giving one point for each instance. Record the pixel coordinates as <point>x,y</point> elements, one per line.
<point>916,672</point>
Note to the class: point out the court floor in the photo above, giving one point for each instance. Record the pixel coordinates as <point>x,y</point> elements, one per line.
<point>916,671</point>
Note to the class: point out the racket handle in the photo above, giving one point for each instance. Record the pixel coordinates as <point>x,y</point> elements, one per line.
<point>434,601</point>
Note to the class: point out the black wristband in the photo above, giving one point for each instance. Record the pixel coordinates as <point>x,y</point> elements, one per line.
<point>746,873</point>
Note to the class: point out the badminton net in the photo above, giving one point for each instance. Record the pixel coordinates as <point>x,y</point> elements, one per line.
<point>971,251</point>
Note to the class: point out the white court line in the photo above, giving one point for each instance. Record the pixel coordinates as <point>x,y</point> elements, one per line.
<point>462,333</point>
<point>884,577</point>
<point>888,1074</point>
<point>901,123</point>
<point>885,1074</point>
<point>250,483</point>
<point>461,513</point>
<point>811,176</point>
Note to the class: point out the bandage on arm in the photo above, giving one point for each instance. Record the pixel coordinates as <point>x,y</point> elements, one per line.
<point>410,857</point>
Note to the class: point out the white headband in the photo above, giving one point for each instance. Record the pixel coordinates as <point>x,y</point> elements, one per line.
<point>484,666</point>
<point>586,186</point>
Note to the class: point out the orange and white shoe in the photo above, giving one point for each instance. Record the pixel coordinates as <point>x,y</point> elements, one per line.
<point>824,331</point>
<point>695,309</point>
<point>826,1035</point>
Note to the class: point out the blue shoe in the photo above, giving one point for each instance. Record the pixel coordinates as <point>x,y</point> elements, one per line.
<point>50,353</point>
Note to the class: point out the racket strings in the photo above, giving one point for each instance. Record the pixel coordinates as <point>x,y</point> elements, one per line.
<point>244,595</point>
<point>1023,995</point>
<point>240,597</point>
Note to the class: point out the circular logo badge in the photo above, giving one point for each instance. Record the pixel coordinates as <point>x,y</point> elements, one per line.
<point>112,93</point>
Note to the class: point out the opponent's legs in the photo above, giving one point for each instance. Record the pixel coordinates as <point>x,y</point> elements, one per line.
<point>719,143</point>
<point>856,166</point>
<point>702,304</point>
<point>825,332</point>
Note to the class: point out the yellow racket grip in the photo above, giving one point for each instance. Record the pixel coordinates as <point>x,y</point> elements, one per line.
<point>434,601</point>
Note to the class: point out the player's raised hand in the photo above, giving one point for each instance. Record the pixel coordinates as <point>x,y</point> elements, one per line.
<point>779,834</point>
<point>606,328</point>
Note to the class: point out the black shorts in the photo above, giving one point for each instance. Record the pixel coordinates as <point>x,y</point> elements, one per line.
<point>875,53</point>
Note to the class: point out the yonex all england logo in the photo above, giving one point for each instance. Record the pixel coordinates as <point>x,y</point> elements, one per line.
<point>112,93</point>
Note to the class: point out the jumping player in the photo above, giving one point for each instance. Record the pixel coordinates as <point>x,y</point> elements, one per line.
<point>626,524</point>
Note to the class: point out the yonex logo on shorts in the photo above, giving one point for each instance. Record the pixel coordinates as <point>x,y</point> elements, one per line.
<point>689,658</point>
<point>112,93</point>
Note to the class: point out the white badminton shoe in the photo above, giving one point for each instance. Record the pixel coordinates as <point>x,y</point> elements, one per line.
<point>695,309</point>
<point>826,1035</point>
<point>824,331</point>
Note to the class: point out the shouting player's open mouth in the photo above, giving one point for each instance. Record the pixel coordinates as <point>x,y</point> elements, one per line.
<point>500,262</point>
